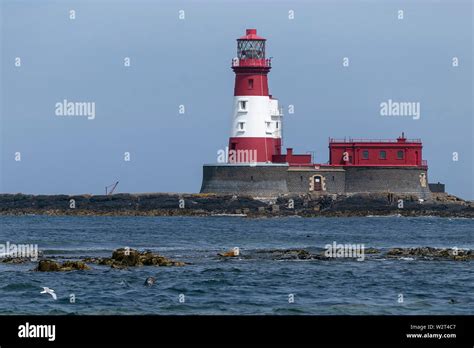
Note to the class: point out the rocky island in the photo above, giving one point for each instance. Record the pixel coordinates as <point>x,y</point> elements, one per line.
<point>173,204</point>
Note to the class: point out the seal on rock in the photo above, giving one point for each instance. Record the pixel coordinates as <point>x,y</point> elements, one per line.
<point>231,253</point>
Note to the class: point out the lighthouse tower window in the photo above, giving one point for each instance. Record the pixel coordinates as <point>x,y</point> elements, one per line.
<point>400,154</point>
<point>383,154</point>
<point>243,105</point>
<point>250,83</point>
<point>241,126</point>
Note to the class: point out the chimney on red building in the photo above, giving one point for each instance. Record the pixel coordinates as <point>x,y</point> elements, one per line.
<point>402,139</point>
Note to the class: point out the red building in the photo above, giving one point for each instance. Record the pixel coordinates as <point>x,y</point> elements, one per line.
<point>293,159</point>
<point>362,152</point>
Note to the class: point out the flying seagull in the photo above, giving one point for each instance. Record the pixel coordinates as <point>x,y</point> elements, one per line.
<point>49,291</point>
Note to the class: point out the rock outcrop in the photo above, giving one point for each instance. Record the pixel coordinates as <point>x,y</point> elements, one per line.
<point>432,253</point>
<point>15,260</point>
<point>125,257</point>
<point>421,253</point>
<point>52,266</point>
<point>288,254</point>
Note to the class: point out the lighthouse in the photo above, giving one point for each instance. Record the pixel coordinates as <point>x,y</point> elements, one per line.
<point>255,165</point>
<point>256,128</point>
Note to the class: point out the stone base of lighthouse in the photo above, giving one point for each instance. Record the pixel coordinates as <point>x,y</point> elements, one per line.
<point>255,180</point>
<point>270,180</point>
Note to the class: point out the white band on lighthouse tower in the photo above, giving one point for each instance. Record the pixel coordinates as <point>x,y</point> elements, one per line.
<point>256,117</point>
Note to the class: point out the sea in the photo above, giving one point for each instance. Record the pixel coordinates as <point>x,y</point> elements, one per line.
<point>253,283</point>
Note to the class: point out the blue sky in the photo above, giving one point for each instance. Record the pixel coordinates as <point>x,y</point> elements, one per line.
<point>187,62</point>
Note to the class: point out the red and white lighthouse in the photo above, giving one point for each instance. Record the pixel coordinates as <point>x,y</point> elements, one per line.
<point>257,118</point>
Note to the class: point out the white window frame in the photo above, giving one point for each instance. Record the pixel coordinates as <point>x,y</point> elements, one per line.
<point>268,127</point>
<point>245,102</point>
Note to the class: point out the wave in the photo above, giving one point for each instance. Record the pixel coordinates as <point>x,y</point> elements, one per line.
<point>19,286</point>
<point>73,250</point>
<point>65,250</point>
<point>284,311</point>
<point>385,216</point>
<point>229,215</point>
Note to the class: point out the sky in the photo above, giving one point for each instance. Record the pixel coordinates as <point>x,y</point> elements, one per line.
<point>180,54</point>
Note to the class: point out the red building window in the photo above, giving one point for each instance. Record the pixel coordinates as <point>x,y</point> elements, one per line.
<point>383,154</point>
<point>365,154</point>
<point>250,83</point>
<point>400,154</point>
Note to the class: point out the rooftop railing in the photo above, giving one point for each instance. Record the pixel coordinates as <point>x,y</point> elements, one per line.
<point>350,140</point>
<point>236,62</point>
